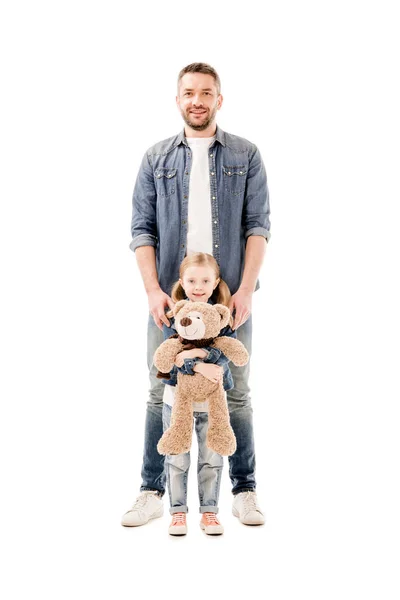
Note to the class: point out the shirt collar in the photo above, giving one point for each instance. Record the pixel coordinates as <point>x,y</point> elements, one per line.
<point>219,137</point>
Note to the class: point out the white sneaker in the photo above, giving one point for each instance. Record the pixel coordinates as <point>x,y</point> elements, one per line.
<point>148,506</point>
<point>245,506</point>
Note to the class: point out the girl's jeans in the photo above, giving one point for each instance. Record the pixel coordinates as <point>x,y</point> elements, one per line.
<point>209,469</point>
<point>242,464</point>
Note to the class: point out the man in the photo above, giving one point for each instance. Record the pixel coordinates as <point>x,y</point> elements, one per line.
<point>203,190</point>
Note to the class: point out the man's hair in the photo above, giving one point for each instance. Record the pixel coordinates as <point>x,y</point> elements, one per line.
<point>201,68</point>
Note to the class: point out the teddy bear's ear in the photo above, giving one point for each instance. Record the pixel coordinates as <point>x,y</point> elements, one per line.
<point>179,305</point>
<point>225,314</point>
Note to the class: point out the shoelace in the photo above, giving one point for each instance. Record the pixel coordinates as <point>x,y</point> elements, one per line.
<point>249,502</point>
<point>178,519</point>
<point>211,518</point>
<point>141,501</point>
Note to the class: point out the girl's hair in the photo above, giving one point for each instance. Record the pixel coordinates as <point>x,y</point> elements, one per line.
<point>221,294</point>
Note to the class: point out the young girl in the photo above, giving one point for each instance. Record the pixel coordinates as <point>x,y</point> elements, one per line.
<point>199,281</point>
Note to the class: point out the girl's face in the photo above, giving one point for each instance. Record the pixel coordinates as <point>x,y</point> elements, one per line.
<point>199,283</point>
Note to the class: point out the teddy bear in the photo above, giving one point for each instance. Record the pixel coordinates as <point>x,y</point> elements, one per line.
<point>198,324</point>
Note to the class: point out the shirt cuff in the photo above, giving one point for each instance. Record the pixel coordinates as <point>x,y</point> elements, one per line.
<point>189,365</point>
<point>144,239</point>
<point>213,355</point>
<point>258,231</point>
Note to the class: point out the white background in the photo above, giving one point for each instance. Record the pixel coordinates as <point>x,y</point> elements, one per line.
<point>87,88</point>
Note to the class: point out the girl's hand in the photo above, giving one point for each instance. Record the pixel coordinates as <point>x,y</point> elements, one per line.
<point>209,371</point>
<point>194,353</point>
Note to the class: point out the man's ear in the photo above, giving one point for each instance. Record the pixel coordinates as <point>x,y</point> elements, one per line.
<point>224,313</point>
<point>179,305</point>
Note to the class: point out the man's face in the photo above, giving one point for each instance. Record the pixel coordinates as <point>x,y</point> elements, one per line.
<point>198,100</point>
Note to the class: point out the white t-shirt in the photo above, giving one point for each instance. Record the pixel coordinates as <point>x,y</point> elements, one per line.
<point>199,235</point>
<point>169,398</point>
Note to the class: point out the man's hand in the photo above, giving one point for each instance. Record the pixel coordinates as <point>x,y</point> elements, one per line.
<point>158,300</point>
<point>209,371</point>
<point>241,302</point>
<point>194,353</point>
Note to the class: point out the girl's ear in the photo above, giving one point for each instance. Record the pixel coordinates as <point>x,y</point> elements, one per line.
<point>179,305</point>
<point>224,313</point>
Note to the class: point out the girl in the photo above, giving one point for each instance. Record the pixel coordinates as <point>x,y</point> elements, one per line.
<point>199,281</point>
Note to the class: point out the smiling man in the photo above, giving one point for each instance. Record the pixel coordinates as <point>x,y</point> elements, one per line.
<point>203,190</point>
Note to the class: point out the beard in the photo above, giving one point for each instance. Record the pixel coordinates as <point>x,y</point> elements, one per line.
<point>209,117</point>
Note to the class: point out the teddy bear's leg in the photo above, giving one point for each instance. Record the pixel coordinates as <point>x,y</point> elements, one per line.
<point>220,436</point>
<point>178,437</point>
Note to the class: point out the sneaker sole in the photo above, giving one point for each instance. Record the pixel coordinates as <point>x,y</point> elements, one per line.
<point>212,529</point>
<point>236,514</point>
<point>156,515</point>
<point>178,530</point>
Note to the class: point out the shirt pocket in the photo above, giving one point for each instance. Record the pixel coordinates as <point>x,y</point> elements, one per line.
<point>165,181</point>
<point>234,179</point>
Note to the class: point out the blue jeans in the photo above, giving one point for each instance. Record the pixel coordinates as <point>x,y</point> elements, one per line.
<point>209,469</point>
<point>242,464</point>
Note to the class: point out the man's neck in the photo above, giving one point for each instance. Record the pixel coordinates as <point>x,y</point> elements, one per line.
<point>206,133</point>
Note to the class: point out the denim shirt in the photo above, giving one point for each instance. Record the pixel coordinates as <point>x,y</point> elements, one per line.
<point>215,356</point>
<point>239,204</point>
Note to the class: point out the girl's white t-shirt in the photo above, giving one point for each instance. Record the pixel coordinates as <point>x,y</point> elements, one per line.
<point>199,235</point>
<point>169,398</point>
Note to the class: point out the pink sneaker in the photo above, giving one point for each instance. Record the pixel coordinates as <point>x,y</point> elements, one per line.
<point>210,524</point>
<point>178,524</point>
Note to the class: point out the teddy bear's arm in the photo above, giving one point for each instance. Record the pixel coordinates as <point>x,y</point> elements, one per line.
<point>233,349</point>
<point>165,355</point>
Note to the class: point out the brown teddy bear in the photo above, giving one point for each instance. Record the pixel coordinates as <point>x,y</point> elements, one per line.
<point>199,323</point>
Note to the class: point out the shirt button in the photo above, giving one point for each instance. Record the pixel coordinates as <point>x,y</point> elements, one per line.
<point>240,172</point>
<point>212,172</point>
<point>183,245</point>
<point>216,245</point>
<point>213,197</point>
<point>211,155</point>
<point>229,173</point>
<point>186,172</point>
<point>185,196</point>
<point>184,222</point>
<point>215,221</point>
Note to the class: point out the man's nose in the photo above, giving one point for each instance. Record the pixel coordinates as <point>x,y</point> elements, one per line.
<point>197,101</point>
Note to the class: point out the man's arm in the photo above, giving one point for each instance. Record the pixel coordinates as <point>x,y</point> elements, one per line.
<point>257,225</point>
<point>144,240</point>
<point>241,301</point>
<point>157,299</point>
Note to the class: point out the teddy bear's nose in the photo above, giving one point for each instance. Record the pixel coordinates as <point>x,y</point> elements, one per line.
<point>185,322</point>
